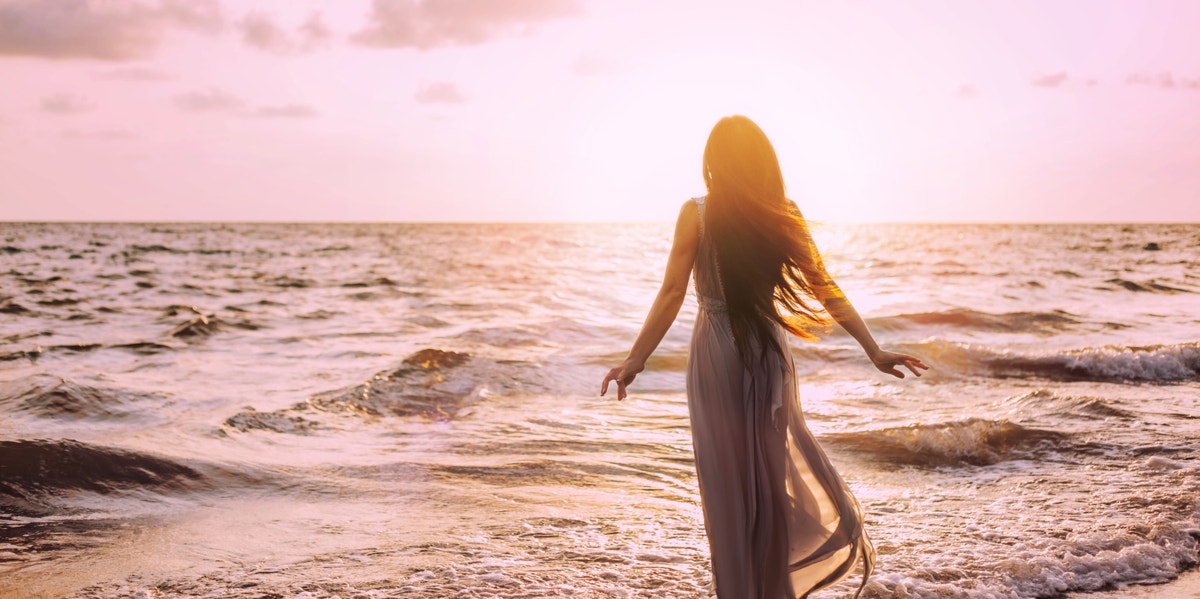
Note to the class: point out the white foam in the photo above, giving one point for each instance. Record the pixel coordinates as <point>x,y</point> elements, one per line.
<point>1049,567</point>
<point>497,578</point>
<point>1159,363</point>
<point>1161,463</point>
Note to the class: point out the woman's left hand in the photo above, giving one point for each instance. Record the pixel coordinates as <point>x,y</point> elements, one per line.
<point>887,362</point>
<point>623,375</point>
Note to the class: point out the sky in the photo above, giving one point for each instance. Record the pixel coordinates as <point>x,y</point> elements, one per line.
<point>595,111</point>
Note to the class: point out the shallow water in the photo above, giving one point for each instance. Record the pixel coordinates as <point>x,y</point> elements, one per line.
<point>411,410</point>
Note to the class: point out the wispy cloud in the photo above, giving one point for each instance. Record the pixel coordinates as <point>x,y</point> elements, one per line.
<point>426,24</point>
<point>1050,80</point>
<point>219,101</point>
<point>99,29</point>
<point>443,92</point>
<point>101,135</point>
<point>260,31</point>
<point>208,101</point>
<point>287,111</point>
<point>135,75</point>
<point>65,104</point>
<point>1164,80</point>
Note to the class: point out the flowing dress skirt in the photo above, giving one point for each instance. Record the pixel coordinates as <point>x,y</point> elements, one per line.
<point>780,521</point>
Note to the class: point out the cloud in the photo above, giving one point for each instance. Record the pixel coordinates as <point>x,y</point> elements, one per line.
<point>101,135</point>
<point>210,100</point>
<point>966,90</point>
<point>65,104</point>
<point>426,24</point>
<point>99,29</point>
<point>260,31</point>
<point>287,111</point>
<point>440,93</point>
<point>1164,80</point>
<point>135,75</point>
<point>1051,80</point>
<point>590,65</point>
<point>218,101</point>
<point>313,33</point>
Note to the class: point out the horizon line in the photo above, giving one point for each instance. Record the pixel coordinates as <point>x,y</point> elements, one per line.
<point>550,222</point>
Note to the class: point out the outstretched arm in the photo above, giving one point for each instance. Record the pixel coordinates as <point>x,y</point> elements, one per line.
<point>843,312</point>
<point>666,304</point>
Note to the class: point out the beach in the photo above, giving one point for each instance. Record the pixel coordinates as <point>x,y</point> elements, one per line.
<point>382,410</point>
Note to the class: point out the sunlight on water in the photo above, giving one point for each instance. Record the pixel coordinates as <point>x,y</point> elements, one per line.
<point>412,410</point>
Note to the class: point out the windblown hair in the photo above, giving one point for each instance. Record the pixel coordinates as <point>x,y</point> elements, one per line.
<point>767,260</point>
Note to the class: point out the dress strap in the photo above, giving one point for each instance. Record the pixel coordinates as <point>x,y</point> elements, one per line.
<point>712,304</point>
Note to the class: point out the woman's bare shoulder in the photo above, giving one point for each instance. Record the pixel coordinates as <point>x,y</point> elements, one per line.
<point>689,216</point>
<point>691,209</point>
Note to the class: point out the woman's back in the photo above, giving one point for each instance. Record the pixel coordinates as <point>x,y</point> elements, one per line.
<point>706,270</point>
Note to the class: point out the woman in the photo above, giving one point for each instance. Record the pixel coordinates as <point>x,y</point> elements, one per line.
<point>780,521</point>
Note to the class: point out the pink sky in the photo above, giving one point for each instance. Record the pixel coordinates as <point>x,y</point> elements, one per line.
<point>569,110</point>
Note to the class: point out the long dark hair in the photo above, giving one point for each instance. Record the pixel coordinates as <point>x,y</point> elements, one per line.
<point>767,260</point>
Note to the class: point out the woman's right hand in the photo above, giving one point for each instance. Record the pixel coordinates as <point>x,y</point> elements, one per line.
<point>887,362</point>
<point>623,375</point>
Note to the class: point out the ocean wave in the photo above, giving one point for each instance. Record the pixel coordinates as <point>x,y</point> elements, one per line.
<point>1010,322</point>
<point>11,307</point>
<point>279,421</point>
<point>377,282</point>
<point>144,348</point>
<point>1172,363</point>
<point>159,248</point>
<point>502,336</point>
<point>204,325</point>
<point>431,383</point>
<point>1043,401</point>
<point>974,441</point>
<point>30,354</point>
<point>1147,286</point>
<point>54,397</point>
<point>32,472</point>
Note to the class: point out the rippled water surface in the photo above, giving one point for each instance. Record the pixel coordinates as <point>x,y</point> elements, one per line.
<point>411,410</point>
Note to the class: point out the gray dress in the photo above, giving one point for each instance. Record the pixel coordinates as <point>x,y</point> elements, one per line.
<point>780,521</point>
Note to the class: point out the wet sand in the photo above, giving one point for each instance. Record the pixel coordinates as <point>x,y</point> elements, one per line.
<point>1187,586</point>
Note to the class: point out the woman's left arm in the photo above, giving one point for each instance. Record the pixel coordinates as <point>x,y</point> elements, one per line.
<point>839,307</point>
<point>666,305</point>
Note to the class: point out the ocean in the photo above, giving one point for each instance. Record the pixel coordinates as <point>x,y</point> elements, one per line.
<point>413,410</point>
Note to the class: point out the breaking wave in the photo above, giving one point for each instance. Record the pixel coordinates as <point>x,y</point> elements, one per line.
<point>974,441</point>
<point>1171,363</point>
<point>35,471</point>
<point>431,383</point>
